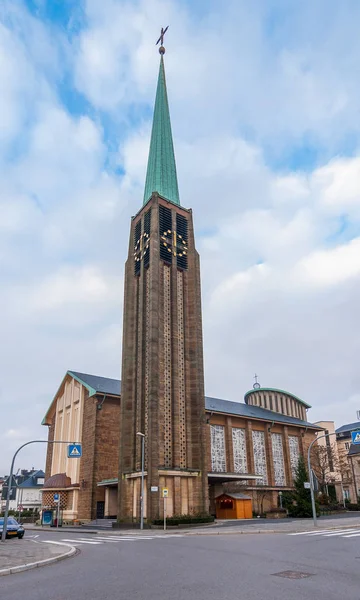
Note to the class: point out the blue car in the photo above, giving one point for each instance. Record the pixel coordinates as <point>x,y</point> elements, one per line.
<point>13,529</point>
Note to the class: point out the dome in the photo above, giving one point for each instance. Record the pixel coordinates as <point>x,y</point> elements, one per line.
<point>58,481</point>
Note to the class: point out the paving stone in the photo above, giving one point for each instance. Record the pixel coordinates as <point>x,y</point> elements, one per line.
<point>19,552</point>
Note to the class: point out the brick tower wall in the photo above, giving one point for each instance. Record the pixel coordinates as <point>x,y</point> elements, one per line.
<point>162,369</point>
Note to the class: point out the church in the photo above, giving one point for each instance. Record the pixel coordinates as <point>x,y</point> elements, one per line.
<point>207,453</point>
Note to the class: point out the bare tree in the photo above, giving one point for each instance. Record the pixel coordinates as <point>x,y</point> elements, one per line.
<point>325,464</point>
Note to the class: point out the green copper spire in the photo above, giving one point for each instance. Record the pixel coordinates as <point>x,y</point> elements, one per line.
<point>161,170</point>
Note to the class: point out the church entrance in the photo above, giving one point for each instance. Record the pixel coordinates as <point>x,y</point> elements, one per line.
<point>100,510</point>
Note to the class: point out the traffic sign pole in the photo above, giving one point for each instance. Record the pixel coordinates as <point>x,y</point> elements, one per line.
<point>165,494</point>
<point>6,514</point>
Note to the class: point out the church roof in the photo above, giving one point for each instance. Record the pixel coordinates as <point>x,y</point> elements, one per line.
<point>98,385</point>
<point>254,412</point>
<point>106,385</point>
<point>161,169</point>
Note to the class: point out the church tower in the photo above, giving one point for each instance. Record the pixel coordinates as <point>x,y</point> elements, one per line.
<point>162,393</point>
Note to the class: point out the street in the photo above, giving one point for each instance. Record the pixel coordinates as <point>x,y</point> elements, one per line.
<point>196,567</point>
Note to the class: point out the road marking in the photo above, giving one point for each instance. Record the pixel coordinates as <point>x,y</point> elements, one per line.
<point>341,532</point>
<point>352,535</point>
<point>57,543</point>
<point>311,532</point>
<point>121,539</point>
<point>80,541</point>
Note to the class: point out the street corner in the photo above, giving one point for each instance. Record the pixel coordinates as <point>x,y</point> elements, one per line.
<point>22,555</point>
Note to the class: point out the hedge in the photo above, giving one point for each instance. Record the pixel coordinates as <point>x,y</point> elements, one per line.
<point>185,520</point>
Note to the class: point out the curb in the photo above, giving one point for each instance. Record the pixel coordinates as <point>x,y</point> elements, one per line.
<point>39,563</point>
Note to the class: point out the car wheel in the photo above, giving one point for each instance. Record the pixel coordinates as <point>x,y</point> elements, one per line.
<point>20,536</point>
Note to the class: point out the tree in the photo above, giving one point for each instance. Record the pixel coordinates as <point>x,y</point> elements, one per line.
<point>301,506</point>
<point>326,465</point>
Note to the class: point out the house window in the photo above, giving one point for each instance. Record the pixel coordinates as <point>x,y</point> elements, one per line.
<point>278,458</point>
<point>347,445</point>
<point>260,456</point>
<point>40,481</point>
<point>218,461</point>
<point>347,494</point>
<point>239,450</point>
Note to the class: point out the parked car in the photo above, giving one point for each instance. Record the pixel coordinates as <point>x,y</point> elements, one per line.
<point>13,529</point>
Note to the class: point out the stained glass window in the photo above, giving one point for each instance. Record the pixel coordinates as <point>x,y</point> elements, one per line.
<point>239,450</point>
<point>294,453</point>
<point>278,458</point>
<point>218,461</point>
<point>258,438</point>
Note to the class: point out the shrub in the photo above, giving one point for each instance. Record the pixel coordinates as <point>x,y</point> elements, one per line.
<point>352,506</point>
<point>185,520</point>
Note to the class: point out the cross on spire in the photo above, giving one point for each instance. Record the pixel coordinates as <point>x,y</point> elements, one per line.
<point>162,33</point>
<point>161,40</point>
<point>256,384</point>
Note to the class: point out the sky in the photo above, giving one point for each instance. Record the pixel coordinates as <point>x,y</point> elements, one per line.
<point>265,106</point>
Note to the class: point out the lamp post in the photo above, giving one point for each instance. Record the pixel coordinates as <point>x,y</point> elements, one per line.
<point>142,435</point>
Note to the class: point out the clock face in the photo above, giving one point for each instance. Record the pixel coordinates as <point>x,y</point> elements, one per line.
<point>141,245</point>
<point>174,243</point>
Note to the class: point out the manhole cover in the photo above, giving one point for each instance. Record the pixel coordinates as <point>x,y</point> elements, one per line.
<point>293,574</point>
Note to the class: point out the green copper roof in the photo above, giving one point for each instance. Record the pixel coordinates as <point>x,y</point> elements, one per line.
<point>161,170</point>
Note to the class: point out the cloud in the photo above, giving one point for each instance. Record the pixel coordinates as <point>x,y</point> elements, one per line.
<point>250,87</point>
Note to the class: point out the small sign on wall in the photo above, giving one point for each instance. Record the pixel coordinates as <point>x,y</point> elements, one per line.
<point>154,488</point>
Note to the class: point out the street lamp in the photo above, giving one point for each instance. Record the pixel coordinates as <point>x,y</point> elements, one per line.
<point>142,435</point>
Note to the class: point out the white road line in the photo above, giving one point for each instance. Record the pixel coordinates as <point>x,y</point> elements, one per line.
<point>342,532</point>
<point>57,543</point>
<point>312,532</point>
<point>79,541</point>
<point>120,539</point>
<point>352,535</point>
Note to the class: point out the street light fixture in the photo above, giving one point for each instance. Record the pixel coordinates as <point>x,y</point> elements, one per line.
<point>142,435</point>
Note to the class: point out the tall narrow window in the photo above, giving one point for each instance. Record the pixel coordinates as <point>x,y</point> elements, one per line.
<point>258,438</point>
<point>147,225</point>
<point>278,458</point>
<point>294,453</point>
<point>165,228</point>
<point>239,449</point>
<point>218,460</point>
<point>181,241</point>
<point>137,239</point>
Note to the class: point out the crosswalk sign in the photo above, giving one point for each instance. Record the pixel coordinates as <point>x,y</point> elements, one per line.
<point>74,451</point>
<point>355,437</point>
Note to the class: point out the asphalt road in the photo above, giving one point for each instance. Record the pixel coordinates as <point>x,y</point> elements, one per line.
<point>221,567</point>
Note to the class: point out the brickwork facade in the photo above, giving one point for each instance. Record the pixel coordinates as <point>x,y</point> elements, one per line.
<point>277,457</point>
<point>98,417</point>
<point>162,369</point>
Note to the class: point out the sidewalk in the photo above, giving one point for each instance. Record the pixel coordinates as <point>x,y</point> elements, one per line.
<point>21,555</point>
<point>248,526</point>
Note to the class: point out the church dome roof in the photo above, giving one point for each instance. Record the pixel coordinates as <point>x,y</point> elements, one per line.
<point>59,480</point>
